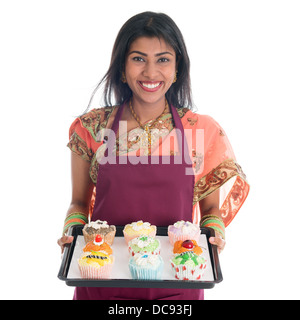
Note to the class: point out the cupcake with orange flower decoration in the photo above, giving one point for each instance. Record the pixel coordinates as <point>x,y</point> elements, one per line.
<point>187,246</point>
<point>96,261</point>
<point>98,245</point>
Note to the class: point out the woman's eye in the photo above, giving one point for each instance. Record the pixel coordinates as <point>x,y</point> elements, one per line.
<point>163,60</point>
<point>140,59</point>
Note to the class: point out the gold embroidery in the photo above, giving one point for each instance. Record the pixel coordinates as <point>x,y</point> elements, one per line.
<point>215,179</point>
<point>197,158</point>
<point>234,199</point>
<point>94,169</point>
<point>79,146</point>
<point>221,133</point>
<point>192,121</point>
<point>182,111</point>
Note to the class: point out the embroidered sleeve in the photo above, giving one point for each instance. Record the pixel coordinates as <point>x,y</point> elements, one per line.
<point>220,171</point>
<point>79,146</point>
<point>84,132</point>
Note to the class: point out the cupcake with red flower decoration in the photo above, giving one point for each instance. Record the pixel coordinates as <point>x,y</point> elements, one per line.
<point>107,232</point>
<point>187,246</point>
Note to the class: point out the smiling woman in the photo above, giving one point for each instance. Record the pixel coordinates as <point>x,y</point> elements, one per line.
<point>170,45</point>
<point>149,82</point>
<point>150,70</point>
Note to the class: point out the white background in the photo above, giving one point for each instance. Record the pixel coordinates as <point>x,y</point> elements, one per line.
<point>245,73</point>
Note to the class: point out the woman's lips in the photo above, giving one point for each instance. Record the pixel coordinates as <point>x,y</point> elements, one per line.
<point>150,86</point>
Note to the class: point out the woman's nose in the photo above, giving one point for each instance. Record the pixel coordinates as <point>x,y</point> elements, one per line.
<point>150,71</point>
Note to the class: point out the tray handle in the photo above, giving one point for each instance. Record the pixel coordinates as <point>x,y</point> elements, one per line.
<point>68,252</point>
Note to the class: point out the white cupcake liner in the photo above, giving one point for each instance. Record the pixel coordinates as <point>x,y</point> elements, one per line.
<point>132,253</point>
<point>146,273</point>
<point>185,272</point>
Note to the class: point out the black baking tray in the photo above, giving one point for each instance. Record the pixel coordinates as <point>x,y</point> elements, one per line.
<point>132,283</point>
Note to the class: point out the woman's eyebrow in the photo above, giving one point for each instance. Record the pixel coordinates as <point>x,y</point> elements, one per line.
<point>163,53</point>
<point>145,54</point>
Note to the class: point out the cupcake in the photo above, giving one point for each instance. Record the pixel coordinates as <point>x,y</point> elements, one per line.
<point>183,230</point>
<point>98,245</point>
<point>187,246</point>
<point>93,228</point>
<point>139,228</point>
<point>146,266</point>
<point>95,265</point>
<point>188,266</point>
<point>144,245</point>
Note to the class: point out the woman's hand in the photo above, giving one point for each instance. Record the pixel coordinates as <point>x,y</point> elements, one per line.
<point>218,241</point>
<point>63,241</point>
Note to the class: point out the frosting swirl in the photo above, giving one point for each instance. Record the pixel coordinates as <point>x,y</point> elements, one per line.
<point>142,241</point>
<point>146,259</point>
<point>184,227</point>
<point>140,225</point>
<point>98,224</point>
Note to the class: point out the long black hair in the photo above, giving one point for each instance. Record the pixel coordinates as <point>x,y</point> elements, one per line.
<point>147,24</point>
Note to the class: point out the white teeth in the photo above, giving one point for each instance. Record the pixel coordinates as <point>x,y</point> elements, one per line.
<point>151,85</point>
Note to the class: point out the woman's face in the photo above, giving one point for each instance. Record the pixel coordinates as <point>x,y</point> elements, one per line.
<point>150,68</point>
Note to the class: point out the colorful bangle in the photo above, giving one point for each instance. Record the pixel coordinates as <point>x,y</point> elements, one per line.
<point>73,219</point>
<point>214,222</point>
<point>211,216</point>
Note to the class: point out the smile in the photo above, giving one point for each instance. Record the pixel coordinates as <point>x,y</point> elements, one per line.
<point>150,86</point>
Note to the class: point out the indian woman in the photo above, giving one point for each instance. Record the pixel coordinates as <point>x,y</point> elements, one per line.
<point>163,162</point>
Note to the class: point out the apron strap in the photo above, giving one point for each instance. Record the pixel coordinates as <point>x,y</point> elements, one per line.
<point>182,142</point>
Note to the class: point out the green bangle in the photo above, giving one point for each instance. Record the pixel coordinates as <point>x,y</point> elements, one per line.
<point>218,230</point>
<point>214,222</point>
<point>76,215</point>
<point>210,216</point>
<point>75,218</point>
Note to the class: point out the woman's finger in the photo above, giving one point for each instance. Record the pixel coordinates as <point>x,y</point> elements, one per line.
<point>63,241</point>
<point>219,242</point>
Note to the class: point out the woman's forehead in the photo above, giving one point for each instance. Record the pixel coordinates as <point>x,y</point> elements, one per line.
<point>153,45</point>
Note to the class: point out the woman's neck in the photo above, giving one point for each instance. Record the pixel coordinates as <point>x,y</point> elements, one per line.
<point>148,111</point>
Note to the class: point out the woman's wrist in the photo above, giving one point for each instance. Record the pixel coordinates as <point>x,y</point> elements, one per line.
<point>74,218</point>
<point>213,222</point>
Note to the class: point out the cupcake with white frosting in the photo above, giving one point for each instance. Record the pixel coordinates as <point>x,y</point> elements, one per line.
<point>183,230</point>
<point>107,232</point>
<point>146,266</point>
<point>144,245</point>
<point>136,229</point>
